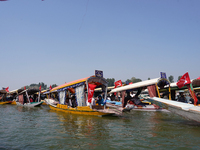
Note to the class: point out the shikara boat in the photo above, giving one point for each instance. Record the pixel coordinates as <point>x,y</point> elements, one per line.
<point>23,98</point>
<point>153,87</point>
<point>3,99</point>
<point>186,110</point>
<point>13,95</point>
<point>80,89</point>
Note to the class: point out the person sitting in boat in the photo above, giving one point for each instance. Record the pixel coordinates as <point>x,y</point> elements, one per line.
<point>182,98</point>
<point>31,99</point>
<point>192,100</point>
<point>135,100</point>
<point>100,100</point>
<point>25,99</point>
<point>68,101</point>
<point>132,94</point>
<point>74,101</point>
<point>165,95</point>
<point>127,99</point>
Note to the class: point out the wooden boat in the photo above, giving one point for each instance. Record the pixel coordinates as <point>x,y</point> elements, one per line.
<point>3,99</point>
<point>153,87</point>
<point>80,88</point>
<point>13,95</point>
<point>186,110</point>
<point>23,98</point>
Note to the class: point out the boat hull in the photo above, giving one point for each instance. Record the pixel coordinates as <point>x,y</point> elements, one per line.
<point>131,108</point>
<point>7,102</point>
<point>188,111</point>
<point>33,104</point>
<point>84,110</point>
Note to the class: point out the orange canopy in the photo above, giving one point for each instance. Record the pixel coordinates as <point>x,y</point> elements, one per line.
<point>69,83</point>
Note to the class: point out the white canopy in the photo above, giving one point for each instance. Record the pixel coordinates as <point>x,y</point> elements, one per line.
<point>136,85</point>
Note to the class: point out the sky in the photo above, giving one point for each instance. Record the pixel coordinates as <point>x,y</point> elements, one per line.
<point>58,41</point>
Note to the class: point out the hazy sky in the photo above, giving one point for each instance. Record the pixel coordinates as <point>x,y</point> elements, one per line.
<point>57,41</point>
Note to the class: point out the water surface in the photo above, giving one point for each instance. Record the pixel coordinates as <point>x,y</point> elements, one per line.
<point>41,128</point>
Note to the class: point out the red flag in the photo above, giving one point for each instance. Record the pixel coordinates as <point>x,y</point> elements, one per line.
<point>40,87</point>
<point>24,87</point>
<point>184,80</point>
<point>7,89</point>
<point>118,83</point>
<point>50,87</point>
<point>91,88</point>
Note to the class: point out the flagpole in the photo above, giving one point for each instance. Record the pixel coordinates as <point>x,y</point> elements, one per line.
<point>192,93</point>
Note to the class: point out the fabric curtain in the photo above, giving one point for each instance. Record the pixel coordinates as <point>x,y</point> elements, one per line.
<point>80,95</point>
<point>91,88</point>
<point>62,97</point>
<point>123,96</point>
<point>152,90</point>
<point>21,99</point>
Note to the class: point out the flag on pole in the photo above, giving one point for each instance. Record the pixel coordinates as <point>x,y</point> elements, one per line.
<point>40,87</point>
<point>24,87</point>
<point>50,87</point>
<point>7,89</point>
<point>91,88</point>
<point>184,80</point>
<point>118,83</point>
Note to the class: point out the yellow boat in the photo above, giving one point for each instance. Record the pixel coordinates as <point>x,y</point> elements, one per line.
<point>80,89</point>
<point>3,97</point>
<point>82,110</point>
<point>7,102</point>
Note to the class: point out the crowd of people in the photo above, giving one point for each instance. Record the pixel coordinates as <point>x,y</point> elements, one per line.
<point>181,96</point>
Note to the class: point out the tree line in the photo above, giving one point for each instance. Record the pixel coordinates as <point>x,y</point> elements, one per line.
<point>111,81</point>
<point>42,84</point>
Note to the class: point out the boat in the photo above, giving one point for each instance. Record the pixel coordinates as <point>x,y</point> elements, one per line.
<point>23,98</point>
<point>3,99</point>
<point>151,86</point>
<point>81,91</point>
<point>186,110</point>
<point>12,95</point>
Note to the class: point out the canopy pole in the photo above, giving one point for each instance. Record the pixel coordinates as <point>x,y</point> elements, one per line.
<point>27,96</point>
<point>39,96</point>
<point>191,90</point>
<point>157,90</point>
<point>170,93</point>
<point>105,96</point>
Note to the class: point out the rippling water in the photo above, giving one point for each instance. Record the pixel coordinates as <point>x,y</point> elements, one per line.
<point>41,128</point>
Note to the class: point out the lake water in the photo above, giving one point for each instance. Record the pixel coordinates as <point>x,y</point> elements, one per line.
<point>42,128</point>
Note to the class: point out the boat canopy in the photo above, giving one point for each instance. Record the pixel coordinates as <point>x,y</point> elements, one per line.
<point>91,80</point>
<point>47,92</point>
<point>15,91</point>
<point>136,85</point>
<point>29,91</point>
<point>3,92</point>
<point>196,82</point>
<point>71,84</point>
<point>100,89</point>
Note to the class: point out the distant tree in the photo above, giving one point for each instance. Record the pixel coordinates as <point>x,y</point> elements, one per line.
<point>54,85</point>
<point>34,85</point>
<point>148,78</point>
<point>133,79</point>
<point>179,78</point>
<point>171,79</point>
<point>111,81</point>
